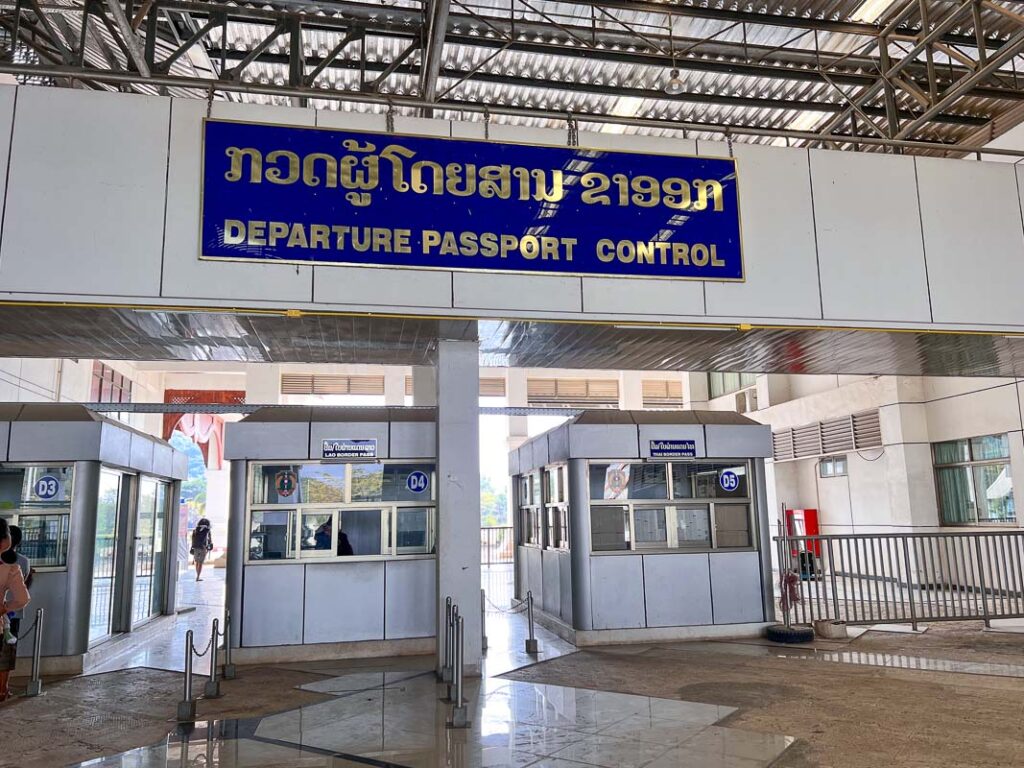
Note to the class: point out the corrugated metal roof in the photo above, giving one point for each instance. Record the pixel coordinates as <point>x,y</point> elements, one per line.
<point>592,58</point>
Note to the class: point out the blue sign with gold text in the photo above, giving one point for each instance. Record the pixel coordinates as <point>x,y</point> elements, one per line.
<point>312,195</point>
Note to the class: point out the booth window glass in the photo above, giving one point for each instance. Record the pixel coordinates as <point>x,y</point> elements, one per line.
<point>625,480</point>
<point>974,481</point>
<point>530,509</point>
<point>557,513</point>
<point>715,512</point>
<point>338,510</point>
<point>38,500</point>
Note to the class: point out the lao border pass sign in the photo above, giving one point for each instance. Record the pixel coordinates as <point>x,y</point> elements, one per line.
<point>310,195</point>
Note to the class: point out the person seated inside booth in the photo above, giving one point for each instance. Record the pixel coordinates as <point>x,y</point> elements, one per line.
<point>322,540</point>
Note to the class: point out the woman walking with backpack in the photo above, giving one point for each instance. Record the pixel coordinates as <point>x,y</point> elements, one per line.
<point>202,543</point>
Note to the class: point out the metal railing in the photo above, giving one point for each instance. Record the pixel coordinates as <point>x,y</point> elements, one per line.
<point>496,545</point>
<point>211,689</point>
<point>902,577</point>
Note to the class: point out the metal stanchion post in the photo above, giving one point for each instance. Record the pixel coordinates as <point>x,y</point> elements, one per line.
<point>446,670</point>
<point>453,667</point>
<point>229,667</point>
<point>35,684</point>
<point>212,688</point>
<point>483,620</point>
<point>531,641</point>
<point>187,707</point>
<point>460,713</point>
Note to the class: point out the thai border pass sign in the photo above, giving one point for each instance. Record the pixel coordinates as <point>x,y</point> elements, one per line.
<point>312,195</point>
<point>681,449</point>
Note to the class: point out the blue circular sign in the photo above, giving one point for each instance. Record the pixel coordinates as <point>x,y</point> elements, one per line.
<point>729,480</point>
<point>47,487</point>
<point>417,481</point>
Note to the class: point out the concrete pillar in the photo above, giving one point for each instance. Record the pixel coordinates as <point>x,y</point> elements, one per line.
<point>631,391</point>
<point>81,551</point>
<point>516,395</point>
<point>458,472</point>
<point>263,384</point>
<point>695,391</point>
<point>394,385</point>
<point>424,385</point>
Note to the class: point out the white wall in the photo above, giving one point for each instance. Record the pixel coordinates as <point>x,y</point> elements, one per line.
<point>831,238</point>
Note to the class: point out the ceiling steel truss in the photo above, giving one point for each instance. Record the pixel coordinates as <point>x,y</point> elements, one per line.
<point>930,76</point>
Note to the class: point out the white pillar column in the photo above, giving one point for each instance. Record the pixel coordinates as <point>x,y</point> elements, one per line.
<point>515,395</point>
<point>394,385</point>
<point>458,473</point>
<point>631,391</point>
<point>424,385</point>
<point>263,383</point>
<point>695,391</point>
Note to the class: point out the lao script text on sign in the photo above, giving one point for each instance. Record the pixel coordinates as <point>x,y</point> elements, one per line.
<point>668,449</point>
<point>350,449</point>
<point>312,195</point>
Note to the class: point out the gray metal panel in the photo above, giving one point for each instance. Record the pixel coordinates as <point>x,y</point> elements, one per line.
<point>180,464</point>
<point>540,451</point>
<point>565,587</point>
<point>267,440</point>
<point>55,441</point>
<point>738,441</point>
<point>271,608</point>
<point>115,445</point>
<point>347,430</point>
<point>49,592</point>
<point>535,574</point>
<point>558,444</point>
<point>513,463</point>
<point>142,453</point>
<point>410,594</point>
<point>5,434</point>
<point>413,440</point>
<point>617,591</point>
<point>526,458</point>
<point>603,441</point>
<point>649,432</point>
<point>762,517</point>
<point>678,590</point>
<point>163,460</point>
<point>237,535</point>
<point>81,552</point>
<point>344,602</point>
<point>579,544</point>
<point>522,572</point>
<point>736,587</point>
<point>552,581</point>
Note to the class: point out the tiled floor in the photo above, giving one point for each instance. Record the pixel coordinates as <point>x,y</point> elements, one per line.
<point>161,643</point>
<point>398,718</point>
<point>387,719</point>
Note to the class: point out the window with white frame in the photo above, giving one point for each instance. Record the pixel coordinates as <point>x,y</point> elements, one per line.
<point>832,466</point>
<point>556,507</point>
<point>37,498</point>
<point>685,505</point>
<point>315,510</point>
<point>531,504</point>
<point>973,479</point>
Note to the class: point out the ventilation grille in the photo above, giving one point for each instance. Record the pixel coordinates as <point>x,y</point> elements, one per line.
<point>663,394</point>
<point>489,386</point>
<point>848,433</point>
<point>330,384</point>
<point>572,393</point>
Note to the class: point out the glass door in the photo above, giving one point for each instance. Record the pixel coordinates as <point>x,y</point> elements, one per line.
<point>159,550</point>
<point>104,558</point>
<point>145,526</point>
